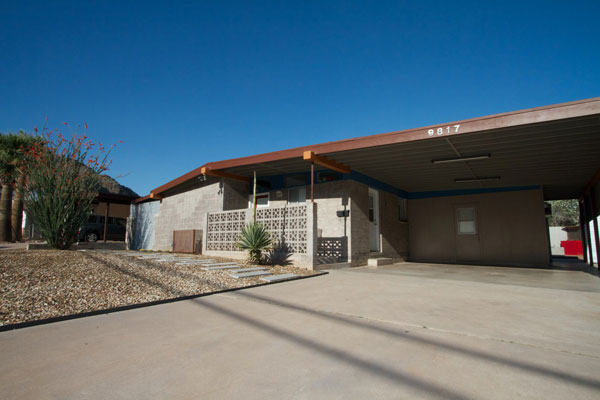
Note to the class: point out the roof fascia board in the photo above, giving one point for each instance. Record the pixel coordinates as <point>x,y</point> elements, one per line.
<point>496,121</point>
<point>542,114</point>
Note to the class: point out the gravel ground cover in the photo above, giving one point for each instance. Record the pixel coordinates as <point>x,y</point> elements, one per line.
<point>39,284</point>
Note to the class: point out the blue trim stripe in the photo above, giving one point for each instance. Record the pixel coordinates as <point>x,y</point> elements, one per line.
<point>460,192</point>
<point>278,182</point>
<point>375,184</point>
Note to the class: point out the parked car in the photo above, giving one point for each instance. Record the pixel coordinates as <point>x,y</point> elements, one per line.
<point>93,230</point>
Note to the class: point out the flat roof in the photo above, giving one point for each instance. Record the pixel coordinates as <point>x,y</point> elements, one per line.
<point>555,146</point>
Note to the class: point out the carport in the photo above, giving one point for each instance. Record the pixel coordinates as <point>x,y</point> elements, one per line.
<point>545,153</point>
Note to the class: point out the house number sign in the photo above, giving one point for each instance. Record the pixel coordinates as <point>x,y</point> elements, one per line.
<point>443,129</point>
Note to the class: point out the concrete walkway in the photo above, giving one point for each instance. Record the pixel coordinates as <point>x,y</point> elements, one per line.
<point>406,331</point>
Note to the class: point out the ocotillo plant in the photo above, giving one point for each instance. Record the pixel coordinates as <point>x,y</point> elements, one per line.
<point>63,180</point>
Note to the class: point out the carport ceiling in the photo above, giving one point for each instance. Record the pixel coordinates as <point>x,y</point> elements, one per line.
<point>556,147</point>
<point>562,156</point>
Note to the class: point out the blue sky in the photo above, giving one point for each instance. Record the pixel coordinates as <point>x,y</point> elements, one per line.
<point>185,83</point>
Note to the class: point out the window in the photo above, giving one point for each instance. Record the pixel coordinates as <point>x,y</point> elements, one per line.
<point>297,195</point>
<point>262,200</point>
<point>402,214</point>
<point>465,221</point>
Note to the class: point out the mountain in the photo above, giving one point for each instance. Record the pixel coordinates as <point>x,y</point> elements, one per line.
<point>111,186</point>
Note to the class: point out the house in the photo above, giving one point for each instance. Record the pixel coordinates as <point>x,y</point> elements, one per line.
<point>469,191</point>
<point>112,202</point>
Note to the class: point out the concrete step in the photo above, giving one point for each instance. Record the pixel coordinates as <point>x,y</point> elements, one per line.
<point>376,262</point>
<point>277,278</point>
<point>218,267</point>
<point>189,262</point>
<point>217,264</point>
<point>182,262</point>
<point>251,269</point>
<point>249,274</point>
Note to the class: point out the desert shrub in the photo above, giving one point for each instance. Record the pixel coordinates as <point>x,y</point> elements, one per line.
<point>256,239</point>
<point>63,179</point>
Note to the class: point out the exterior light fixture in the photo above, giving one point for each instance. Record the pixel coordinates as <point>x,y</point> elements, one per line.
<point>477,179</point>
<point>456,159</point>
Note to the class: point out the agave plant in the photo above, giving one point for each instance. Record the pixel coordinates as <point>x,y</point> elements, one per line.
<point>255,238</point>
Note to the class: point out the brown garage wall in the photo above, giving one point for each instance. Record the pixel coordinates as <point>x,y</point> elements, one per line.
<point>511,228</point>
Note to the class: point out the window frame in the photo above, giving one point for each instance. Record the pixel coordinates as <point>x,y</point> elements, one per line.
<point>263,195</point>
<point>297,189</point>
<point>458,220</point>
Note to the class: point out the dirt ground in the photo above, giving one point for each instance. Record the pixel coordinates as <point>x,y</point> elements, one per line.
<point>39,284</point>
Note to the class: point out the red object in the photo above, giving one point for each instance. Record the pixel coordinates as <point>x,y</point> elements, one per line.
<point>572,247</point>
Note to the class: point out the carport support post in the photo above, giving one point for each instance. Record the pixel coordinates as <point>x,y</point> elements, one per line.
<point>312,181</point>
<point>588,214</point>
<point>595,222</point>
<point>106,219</point>
<point>582,231</point>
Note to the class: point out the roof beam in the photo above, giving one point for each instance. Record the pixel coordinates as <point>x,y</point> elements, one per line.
<point>222,174</point>
<point>325,162</point>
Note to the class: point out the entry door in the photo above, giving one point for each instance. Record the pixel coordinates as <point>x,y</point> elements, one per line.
<point>373,220</point>
<point>467,234</point>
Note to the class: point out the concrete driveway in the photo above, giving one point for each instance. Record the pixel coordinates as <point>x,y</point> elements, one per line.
<point>405,331</point>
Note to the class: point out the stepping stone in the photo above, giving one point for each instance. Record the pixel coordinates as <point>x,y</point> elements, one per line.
<point>277,278</point>
<point>220,267</point>
<point>249,274</point>
<point>250,269</point>
<point>190,262</point>
<point>217,264</point>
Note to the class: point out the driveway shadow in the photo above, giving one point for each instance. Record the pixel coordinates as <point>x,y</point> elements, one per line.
<point>344,356</point>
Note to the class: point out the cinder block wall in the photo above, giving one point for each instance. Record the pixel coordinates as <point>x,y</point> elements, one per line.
<point>354,196</point>
<point>235,195</point>
<point>185,208</point>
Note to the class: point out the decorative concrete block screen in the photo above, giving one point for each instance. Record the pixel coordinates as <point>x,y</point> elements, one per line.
<point>335,248</point>
<point>224,229</point>
<point>288,227</point>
